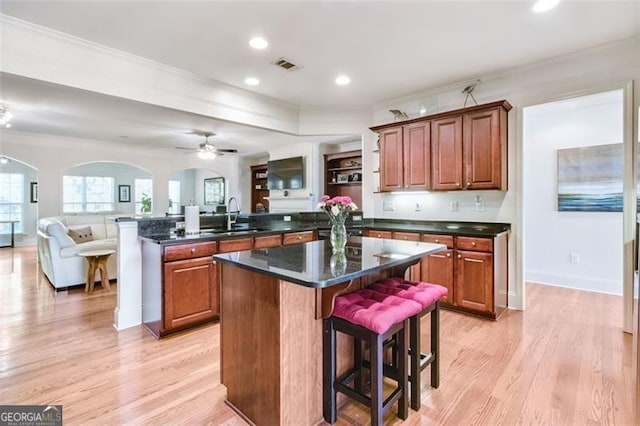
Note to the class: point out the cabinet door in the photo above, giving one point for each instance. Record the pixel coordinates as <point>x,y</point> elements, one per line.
<point>474,281</point>
<point>414,271</point>
<point>416,140</point>
<point>374,233</point>
<point>391,160</point>
<point>267,241</point>
<point>190,292</point>
<point>483,150</point>
<point>297,237</point>
<point>446,149</point>
<point>438,269</point>
<point>238,244</point>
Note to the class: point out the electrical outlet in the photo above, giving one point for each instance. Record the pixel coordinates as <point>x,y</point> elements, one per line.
<point>453,206</point>
<point>287,218</point>
<point>418,207</point>
<point>387,205</point>
<point>574,258</point>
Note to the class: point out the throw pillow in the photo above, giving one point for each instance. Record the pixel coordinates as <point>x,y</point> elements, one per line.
<point>81,235</point>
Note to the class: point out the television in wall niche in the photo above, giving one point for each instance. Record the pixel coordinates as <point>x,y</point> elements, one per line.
<point>287,173</point>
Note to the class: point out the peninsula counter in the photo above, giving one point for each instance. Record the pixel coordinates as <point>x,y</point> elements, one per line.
<point>272,304</point>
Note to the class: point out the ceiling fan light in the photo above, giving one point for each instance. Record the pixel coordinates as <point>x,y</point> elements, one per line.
<point>206,154</point>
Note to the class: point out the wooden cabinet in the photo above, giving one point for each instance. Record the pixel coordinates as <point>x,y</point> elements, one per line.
<point>179,286</point>
<point>446,146</point>
<point>474,271</point>
<point>464,149</point>
<point>267,241</point>
<point>405,158</point>
<point>190,293</point>
<point>236,244</point>
<point>375,233</point>
<point>469,150</point>
<point>438,267</point>
<point>259,187</point>
<point>343,175</point>
<point>298,237</point>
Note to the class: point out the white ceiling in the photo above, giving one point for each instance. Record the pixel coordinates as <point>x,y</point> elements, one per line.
<point>389,48</point>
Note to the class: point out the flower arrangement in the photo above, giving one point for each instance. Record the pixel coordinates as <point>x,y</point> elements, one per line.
<point>337,207</point>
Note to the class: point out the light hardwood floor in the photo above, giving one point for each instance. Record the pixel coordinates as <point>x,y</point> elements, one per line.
<point>564,361</point>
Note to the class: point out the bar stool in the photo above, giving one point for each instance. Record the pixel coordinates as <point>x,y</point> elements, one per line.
<point>428,296</point>
<point>371,317</point>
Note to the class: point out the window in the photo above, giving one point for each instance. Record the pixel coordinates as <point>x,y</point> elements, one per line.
<point>143,189</point>
<point>85,194</point>
<point>11,201</point>
<point>174,196</point>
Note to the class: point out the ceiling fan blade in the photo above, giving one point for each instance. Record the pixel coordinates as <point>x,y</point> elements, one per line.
<point>182,147</point>
<point>229,151</point>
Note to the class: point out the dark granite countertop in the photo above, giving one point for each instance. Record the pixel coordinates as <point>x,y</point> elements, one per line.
<point>486,229</point>
<point>242,231</point>
<point>314,265</point>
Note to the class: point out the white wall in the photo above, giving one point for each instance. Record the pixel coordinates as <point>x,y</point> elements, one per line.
<point>123,174</point>
<point>52,155</point>
<point>604,68</point>
<point>596,237</point>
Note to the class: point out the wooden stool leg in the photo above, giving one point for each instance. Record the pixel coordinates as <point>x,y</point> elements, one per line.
<point>358,354</point>
<point>414,347</point>
<point>103,272</point>
<point>403,338</point>
<point>375,349</point>
<point>329,400</point>
<point>435,346</point>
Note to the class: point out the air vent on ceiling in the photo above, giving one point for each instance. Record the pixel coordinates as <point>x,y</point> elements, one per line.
<point>286,64</point>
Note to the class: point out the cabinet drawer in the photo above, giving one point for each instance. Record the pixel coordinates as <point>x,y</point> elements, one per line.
<point>474,243</point>
<point>267,241</point>
<point>438,239</point>
<point>297,237</point>
<point>407,236</point>
<point>374,233</point>
<point>237,244</point>
<point>188,251</point>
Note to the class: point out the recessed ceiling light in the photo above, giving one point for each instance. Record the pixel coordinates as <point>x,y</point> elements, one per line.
<point>545,5</point>
<point>258,43</point>
<point>251,81</point>
<point>342,80</point>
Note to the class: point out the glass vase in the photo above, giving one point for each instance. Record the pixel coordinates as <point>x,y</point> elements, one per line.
<point>338,236</point>
<point>338,263</point>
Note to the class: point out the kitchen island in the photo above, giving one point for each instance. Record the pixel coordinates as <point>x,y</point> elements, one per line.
<point>272,304</point>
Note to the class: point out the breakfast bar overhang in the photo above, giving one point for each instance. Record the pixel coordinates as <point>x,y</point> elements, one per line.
<point>272,304</point>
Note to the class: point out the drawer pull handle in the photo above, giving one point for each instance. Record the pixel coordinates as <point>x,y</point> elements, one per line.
<point>468,183</point>
<point>459,256</point>
<point>299,237</point>
<point>193,250</point>
<point>473,243</point>
<point>437,241</point>
<point>448,254</point>
<point>457,183</point>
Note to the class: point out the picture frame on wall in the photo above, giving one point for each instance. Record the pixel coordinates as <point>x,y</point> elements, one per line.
<point>124,193</point>
<point>343,178</point>
<point>214,191</point>
<point>34,192</point>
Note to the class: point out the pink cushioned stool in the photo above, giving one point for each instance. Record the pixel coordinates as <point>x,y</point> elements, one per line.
<point>428,295</point>
<point>371,317</point>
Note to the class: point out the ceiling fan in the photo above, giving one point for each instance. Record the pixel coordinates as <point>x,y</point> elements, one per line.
<point>206,150</point>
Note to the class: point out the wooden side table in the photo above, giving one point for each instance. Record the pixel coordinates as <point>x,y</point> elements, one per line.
<point>97,261</point>
<point>13,228</point>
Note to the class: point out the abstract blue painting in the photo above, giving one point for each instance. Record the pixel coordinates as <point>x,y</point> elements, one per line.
<point>590,178</point>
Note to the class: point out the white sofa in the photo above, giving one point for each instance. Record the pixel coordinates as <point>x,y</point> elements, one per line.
<point>58,252</point>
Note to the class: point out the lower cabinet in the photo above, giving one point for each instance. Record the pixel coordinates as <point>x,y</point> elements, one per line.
<point>473,269</point>
<point>190,292</point>
<point>179,286</point>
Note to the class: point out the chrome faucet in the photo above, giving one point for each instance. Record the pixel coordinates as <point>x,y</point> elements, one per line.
<point>230,222</point>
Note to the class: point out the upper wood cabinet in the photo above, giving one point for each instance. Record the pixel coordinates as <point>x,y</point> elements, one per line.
<point>464,149</point>
<point>405,158</point>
